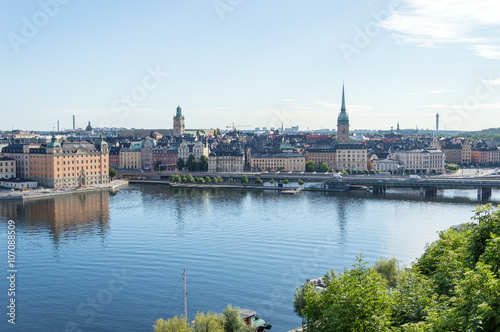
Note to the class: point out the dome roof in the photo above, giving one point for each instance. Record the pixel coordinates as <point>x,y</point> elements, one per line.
<point>54,144</point>
<point>89,127</point>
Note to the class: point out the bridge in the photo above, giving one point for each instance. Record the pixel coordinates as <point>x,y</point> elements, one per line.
<point>377,184</point>
<point>427,187</point>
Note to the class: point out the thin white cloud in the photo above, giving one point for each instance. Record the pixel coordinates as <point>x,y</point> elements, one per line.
<point>431,23</point>
<point>495,81</point>
<point>438,91</point>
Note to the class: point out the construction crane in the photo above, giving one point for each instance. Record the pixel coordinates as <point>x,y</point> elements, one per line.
<point>234,126</point>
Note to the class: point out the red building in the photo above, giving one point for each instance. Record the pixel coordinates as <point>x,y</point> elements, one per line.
<point>166,156</point>
<point>114,157</point>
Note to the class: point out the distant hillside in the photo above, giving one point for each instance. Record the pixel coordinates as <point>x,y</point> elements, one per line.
<point>485,134</point>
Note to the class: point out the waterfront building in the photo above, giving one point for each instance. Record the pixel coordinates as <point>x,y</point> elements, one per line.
<point>167,156</point>
<point>21,153</point>
<point>18,183</point>
<point>351,156</point>
<point>458,151</point>
<point>322,154</point>
<point>179,127</point>
<point>197,149</point>
<point>70,164</point>
<point>130,158</point>
<point>272,162</point>
<point>7,168</point>
<point>343,122</point>
<point>382,161</point>
<point>227,157</point>
<point>429,160</point>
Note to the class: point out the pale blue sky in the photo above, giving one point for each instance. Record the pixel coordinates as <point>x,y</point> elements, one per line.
<point>254,63</point>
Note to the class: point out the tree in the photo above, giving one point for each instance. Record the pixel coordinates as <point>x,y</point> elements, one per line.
<point>175,324</point>
<point>157,165</point>
<point>285,181</point>
<point>203,163</point>
<point>219,178</point>
<point>233,321</point>
<point>190,179</point>
<point>258,181</point>
<point>310,166</point>
<point>231,180</point>
<point>244,179</point>
<point>300,182</point>
<point>208,179</point>
<point>191,163</point>
<point>272,181</point>
<point>388,268</point>
<point>217,132</point>
<point>201,180</point>
<point>209,322</point>
<point>112,173</point>
<point>180,164</point>
<point>323,167</point>
<point>356,300</point>
<point>198,133</point>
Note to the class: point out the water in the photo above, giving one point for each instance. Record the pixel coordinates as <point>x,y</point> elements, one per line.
<point>102,262</point>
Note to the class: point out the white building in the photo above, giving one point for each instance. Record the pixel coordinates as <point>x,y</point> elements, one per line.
<point>424,159</point>
<point>196,149</point>
<point>18,183</point>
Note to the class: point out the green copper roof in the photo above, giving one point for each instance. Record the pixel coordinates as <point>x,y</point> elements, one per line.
<point>342,109</point>
<point>54,144</point>
<point>343,119</point>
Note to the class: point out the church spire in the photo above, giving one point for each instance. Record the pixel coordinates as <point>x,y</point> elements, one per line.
<point>342,109</point>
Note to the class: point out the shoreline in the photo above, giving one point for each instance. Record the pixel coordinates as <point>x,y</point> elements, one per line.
<point>50,193</point>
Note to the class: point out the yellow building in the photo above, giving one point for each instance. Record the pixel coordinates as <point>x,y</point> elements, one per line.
<point>272,162</point>
<point>351,156</point>
<point>71,164</point>
<point>130,159</point>
<point>322,154</point>
<point>7,168</point>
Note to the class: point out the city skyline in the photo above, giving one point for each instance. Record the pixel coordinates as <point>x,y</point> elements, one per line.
<point>257,64</point>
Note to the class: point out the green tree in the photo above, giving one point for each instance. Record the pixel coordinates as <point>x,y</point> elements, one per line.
<point>323,167</point>
<point>208,322</point>
<point>244,179</point>
<point>157,165</point>
<point>203,163</point>
<point>208,179</point>
<point>300,182</point>
<point>180,164</point>
<point>356,300</point>
<point>201,180</point>
<point>198,133</point>
<point>112,173</point>
<point>219,179</point>
<point>231,180</point>
<point>272,181</point>
<point>215,180</point>
<point>175,324</point>
<point>388,268</point>
<point>233,321</point>
<point>310,166</point>
<point>191,163</point>
<point>258,181</point>
<point>190,179</point>
<point>285,181</point>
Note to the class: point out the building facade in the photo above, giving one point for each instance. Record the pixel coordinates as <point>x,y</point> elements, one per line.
<point>196,149</point>
<point>351,156</point>
<point>71,164</point>
<point>272,162</point>
<point>7,168</point>
<point>130,158</point>
<point>21,153</point>
<point>179,127</point>
<point>421,159</point>
<point>322,154</point>
<point>227,157</point>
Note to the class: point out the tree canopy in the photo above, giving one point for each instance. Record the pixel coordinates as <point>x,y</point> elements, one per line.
<point>453,286</point>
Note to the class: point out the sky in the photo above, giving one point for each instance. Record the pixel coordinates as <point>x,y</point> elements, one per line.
<point>255,63</point>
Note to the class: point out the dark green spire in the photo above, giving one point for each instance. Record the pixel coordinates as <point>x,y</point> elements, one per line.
<point>342,109</point>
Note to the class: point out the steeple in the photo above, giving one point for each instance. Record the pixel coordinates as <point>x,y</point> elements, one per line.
<point>342,109</point>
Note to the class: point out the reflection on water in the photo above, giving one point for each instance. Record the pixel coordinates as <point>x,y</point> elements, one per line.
<point>68,216</point>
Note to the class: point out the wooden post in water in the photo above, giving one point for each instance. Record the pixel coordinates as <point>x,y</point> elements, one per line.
<point>185,297</point>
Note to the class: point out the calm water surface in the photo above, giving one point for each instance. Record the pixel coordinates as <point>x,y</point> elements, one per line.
<point>102,262</point>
